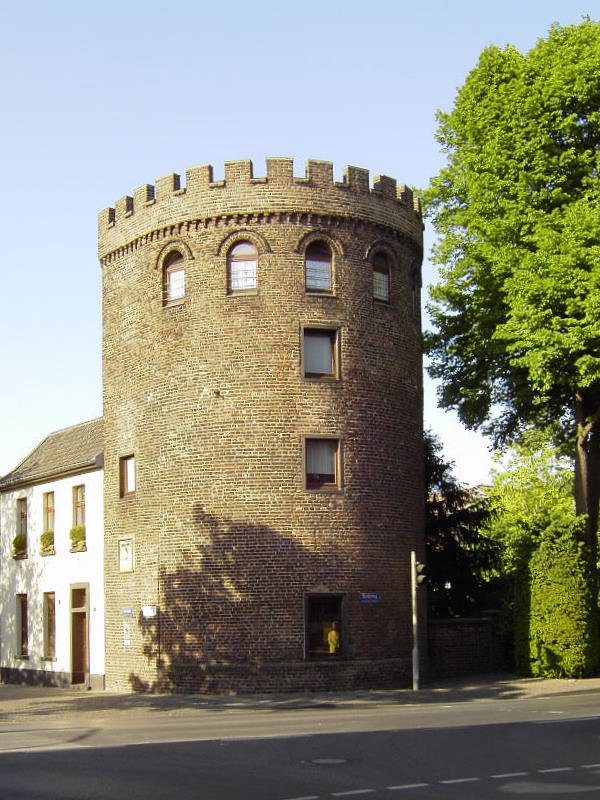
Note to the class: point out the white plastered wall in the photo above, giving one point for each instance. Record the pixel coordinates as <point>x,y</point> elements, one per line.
<point>37,574</point>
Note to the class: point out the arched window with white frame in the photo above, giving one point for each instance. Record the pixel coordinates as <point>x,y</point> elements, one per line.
<point>242,261</point>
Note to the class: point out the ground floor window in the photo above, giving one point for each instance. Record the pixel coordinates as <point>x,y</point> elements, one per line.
<point>324,626</point>
<point>22,627</point>
<point>49,625</point>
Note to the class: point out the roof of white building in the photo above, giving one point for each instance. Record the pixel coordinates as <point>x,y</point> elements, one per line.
<point>65,452</point>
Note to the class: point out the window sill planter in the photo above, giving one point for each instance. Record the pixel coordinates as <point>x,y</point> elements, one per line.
<point>77,536</point>
<point>47,543</point>
<point>19,546</point>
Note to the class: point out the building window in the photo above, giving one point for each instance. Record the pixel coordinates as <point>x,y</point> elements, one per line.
<point>49,625</point>
<point>19,544</point>
<point>241,268</point>
<point>127,475</point>
<point>320,353</point>
<point>173,278</point>
<point>322,463</point>
<point>48,511</point>
<point>381,277</point>
<point>22,627</point>
<point>22,517</point>
<point>79,505</point>
<point>324,626</point>
<point>317,267</point>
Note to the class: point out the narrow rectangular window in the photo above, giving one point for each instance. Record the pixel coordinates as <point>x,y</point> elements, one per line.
<point>78,505</point>
<point>175,284</point>
<point>22,627</point>
<point>381,285</point>
<point>49,625</point>
<point>324,626</point>
<point>127,475</point>
<point>322,463</point>
<point>22,516</point>
<point>319,351</point>
<point>48,509</point>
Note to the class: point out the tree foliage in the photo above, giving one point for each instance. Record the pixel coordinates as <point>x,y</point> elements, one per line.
<point>516,314</point>
<point>459,560</point>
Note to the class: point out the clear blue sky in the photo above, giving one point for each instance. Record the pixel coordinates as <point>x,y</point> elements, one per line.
<point>99,98</point>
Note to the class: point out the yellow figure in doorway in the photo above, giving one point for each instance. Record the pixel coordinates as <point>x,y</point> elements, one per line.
<point>333,639</point>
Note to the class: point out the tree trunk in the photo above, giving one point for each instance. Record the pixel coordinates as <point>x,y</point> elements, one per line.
<point>587,470</point>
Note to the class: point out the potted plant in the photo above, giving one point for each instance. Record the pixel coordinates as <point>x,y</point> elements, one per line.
<point>47,543</point>
<point>20,545</point>
<point>77,536</point>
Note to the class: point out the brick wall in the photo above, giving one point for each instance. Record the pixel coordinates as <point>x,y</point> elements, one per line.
<point>467,647</point>
<point>211,397</point>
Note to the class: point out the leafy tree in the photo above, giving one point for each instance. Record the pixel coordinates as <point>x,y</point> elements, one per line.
<point>459,560</point>
<point>532,517</point>
<point>516,314</point>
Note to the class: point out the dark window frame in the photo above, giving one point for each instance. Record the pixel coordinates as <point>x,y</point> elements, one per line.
<point>325,331</point>
<point>323,481</point>
<point>324,611</point>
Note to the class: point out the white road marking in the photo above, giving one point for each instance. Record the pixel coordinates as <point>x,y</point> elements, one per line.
<point>352,792</point>
<point>461,780</point>
<point>406,786</point>
<point>306,797</point>
<point>590,766</point>
<point>555,769</point>
<point>502,775</point>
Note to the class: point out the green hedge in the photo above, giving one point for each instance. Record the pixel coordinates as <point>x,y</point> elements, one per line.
<point>555,621</point>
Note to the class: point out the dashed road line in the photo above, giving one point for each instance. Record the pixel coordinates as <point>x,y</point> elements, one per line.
<point>306,797</point>
<point>502,775</point>
<point>447,782</point>
<point>406,786</point>
<point>555,769</point>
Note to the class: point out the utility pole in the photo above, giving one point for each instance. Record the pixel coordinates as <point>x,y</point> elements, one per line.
<point>417,576</point>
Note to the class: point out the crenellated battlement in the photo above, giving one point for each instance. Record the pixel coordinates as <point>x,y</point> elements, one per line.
<point>167,202</point>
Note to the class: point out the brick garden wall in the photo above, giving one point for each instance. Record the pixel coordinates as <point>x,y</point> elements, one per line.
<point>467,647</point>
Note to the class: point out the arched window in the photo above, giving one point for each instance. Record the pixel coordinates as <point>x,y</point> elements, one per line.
<point>173,278</point>
<point>381,277</point>
<point>241,268</point>
<point>317,267</point>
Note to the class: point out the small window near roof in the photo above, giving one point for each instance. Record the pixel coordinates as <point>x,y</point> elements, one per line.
<point>241,268</point>
<point>381,277</point>
<point>317,267</point>
<point>173,278</point>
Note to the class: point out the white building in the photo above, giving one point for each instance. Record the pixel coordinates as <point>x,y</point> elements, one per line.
<point>52,562</point>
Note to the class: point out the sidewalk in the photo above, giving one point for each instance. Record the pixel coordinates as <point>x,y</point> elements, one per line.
<point>23,702</point>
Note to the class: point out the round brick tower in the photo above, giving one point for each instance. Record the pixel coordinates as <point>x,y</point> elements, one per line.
<point>263,430</point>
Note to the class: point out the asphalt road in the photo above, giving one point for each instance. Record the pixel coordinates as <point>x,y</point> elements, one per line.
<point>382,746</point>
